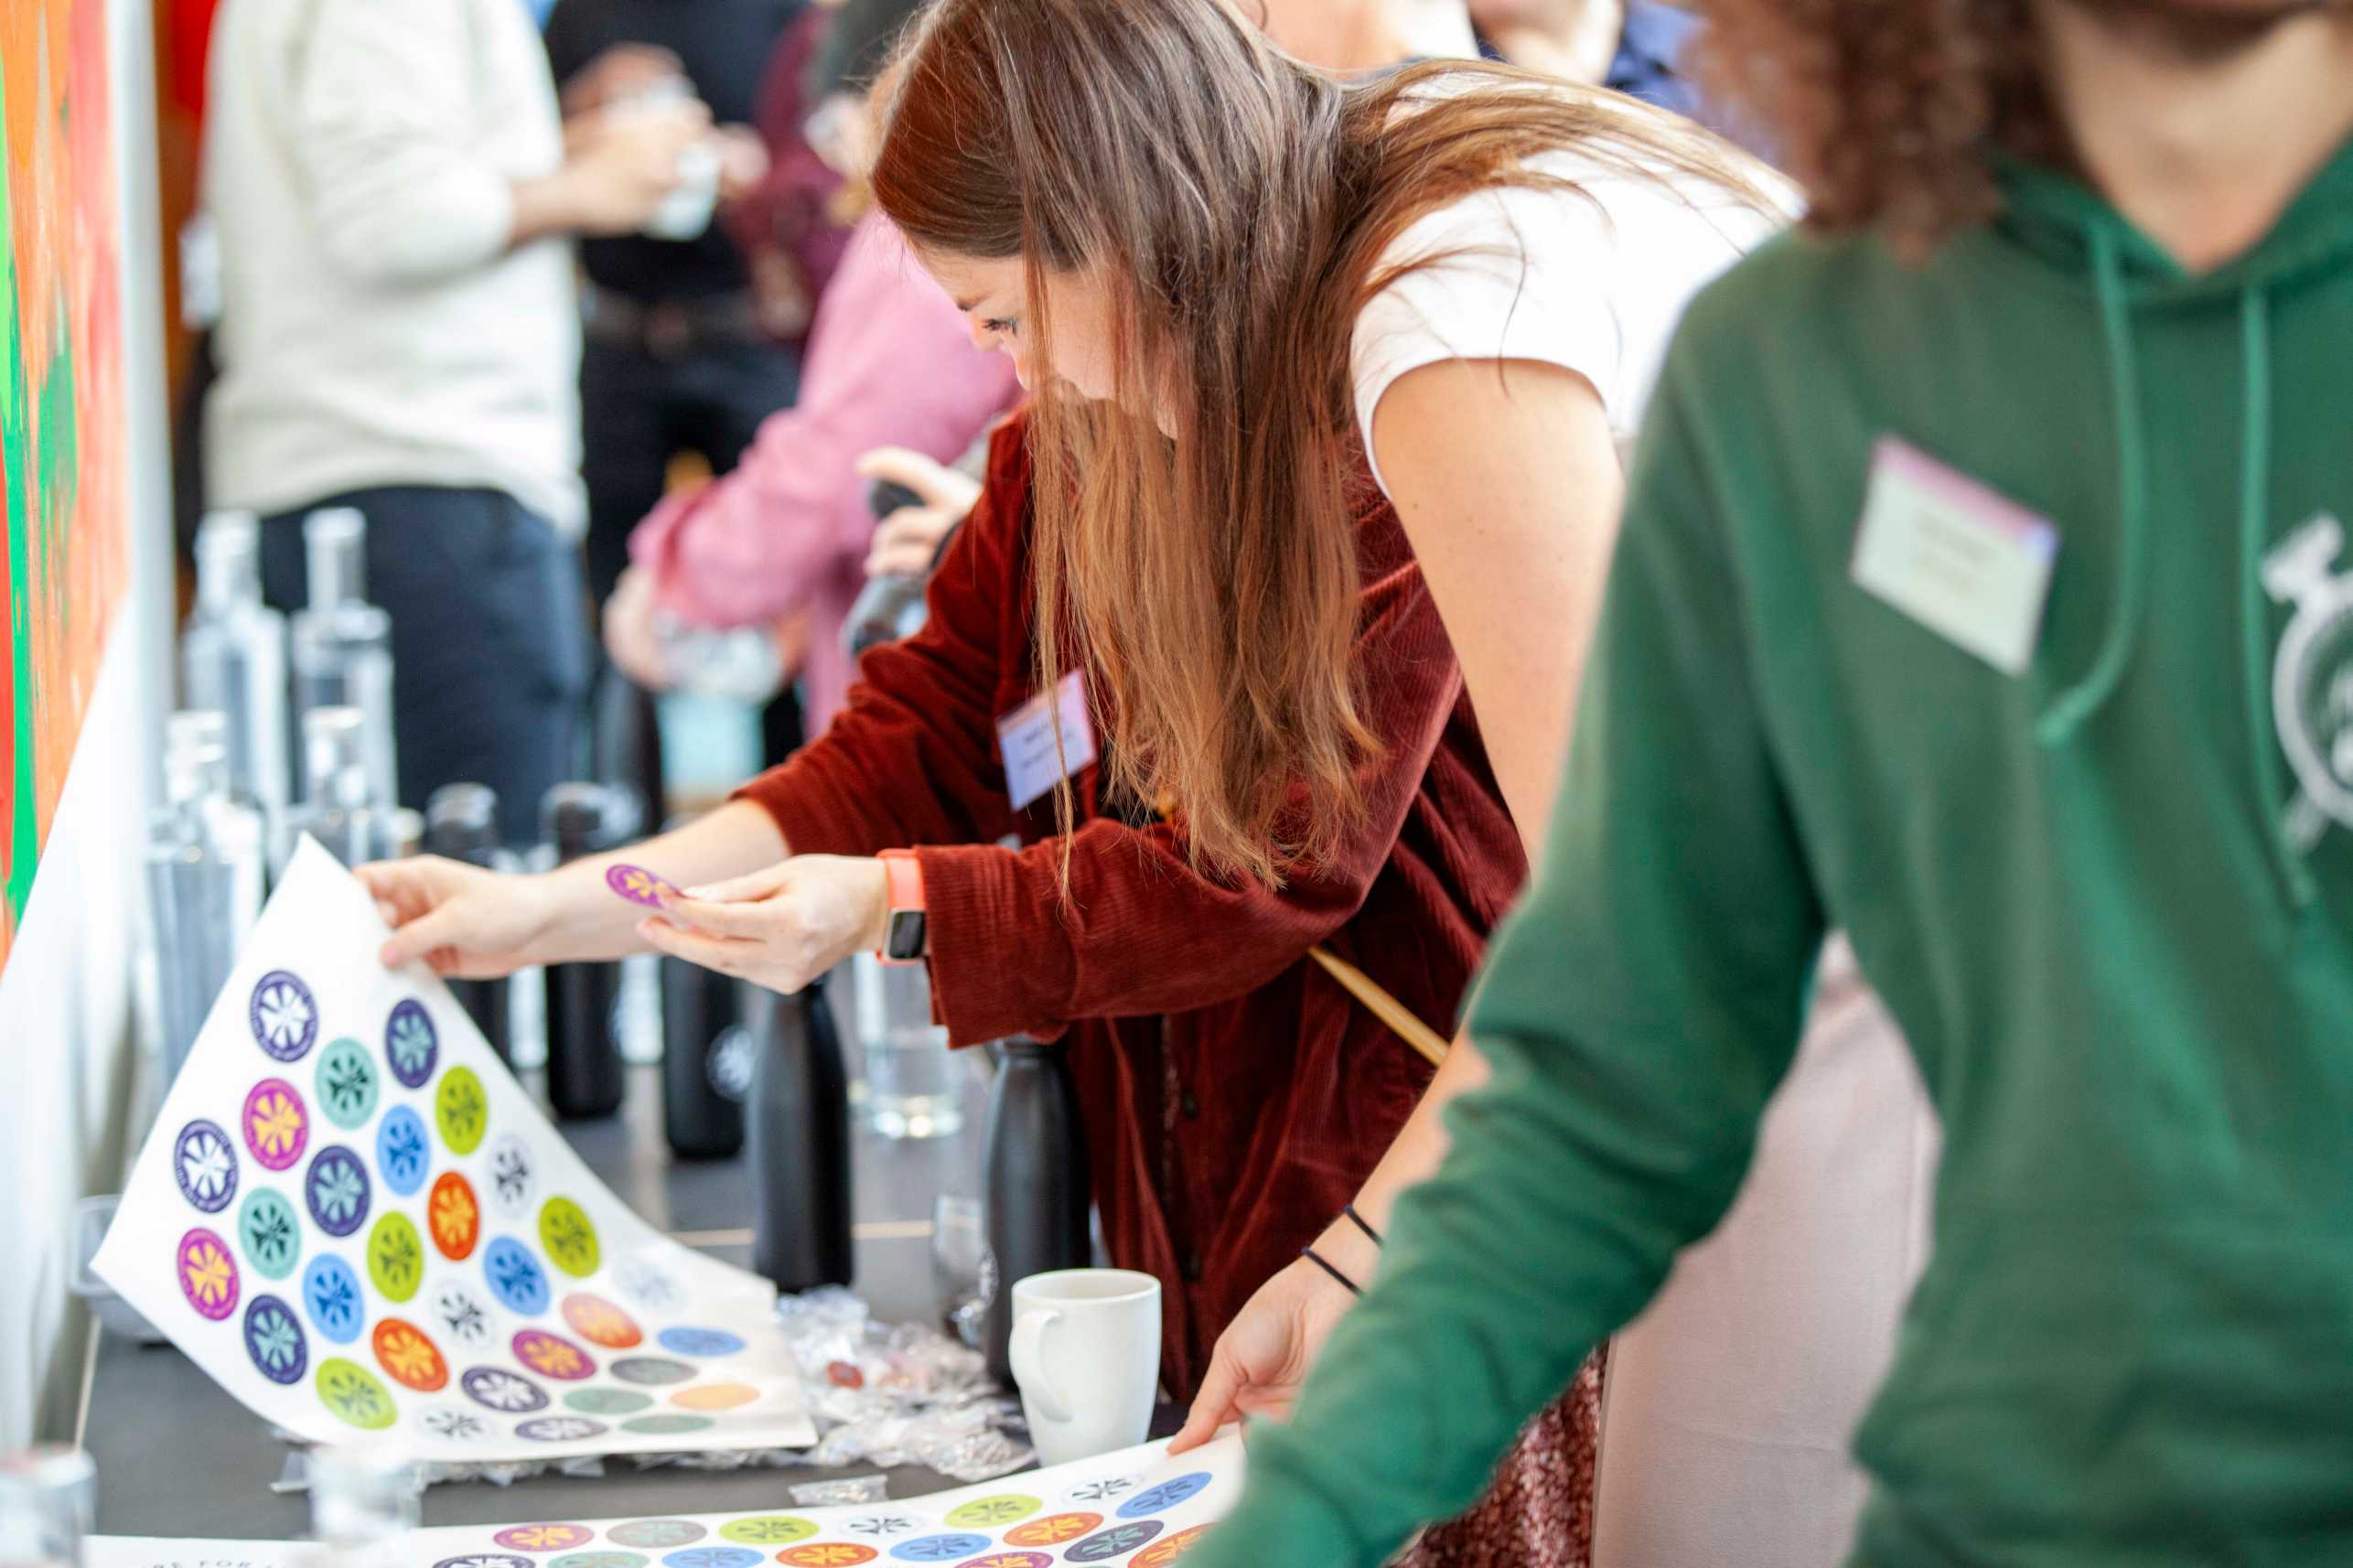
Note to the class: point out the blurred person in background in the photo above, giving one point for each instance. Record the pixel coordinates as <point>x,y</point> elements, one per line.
<point>393,189</point>
<point>682,354</point>
<point>786,533</point>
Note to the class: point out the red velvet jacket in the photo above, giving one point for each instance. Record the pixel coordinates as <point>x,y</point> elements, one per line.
<point>1235,1096</point>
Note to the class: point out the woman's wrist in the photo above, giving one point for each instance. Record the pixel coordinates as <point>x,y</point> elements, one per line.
<point>1349,1249</point>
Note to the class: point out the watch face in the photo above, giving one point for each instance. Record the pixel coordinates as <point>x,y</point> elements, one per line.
<point>906,943</point>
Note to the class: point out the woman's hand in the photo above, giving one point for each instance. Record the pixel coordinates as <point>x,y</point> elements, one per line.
<point>1266,1353</point>
<point>910,538</point>
<point>780,927</point>
<point>462,920</point>
<point>629,637</point>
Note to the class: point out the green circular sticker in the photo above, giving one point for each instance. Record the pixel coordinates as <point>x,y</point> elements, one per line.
<point>667,1426</point>
<point>570,1241</point>
<point>462,1109</point>
<point>270,1233</point>
<point>347,1083</point>
<point>353,1392</point>
<point>395,1257</point>
<point>608,1401</point>
<point>989,1513</point>
<point>769,1530</point>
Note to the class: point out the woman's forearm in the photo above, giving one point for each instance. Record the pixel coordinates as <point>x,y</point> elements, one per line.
<point>588,921</point>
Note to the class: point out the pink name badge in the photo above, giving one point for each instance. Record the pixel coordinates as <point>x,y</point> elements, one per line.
<point>1958,556</point>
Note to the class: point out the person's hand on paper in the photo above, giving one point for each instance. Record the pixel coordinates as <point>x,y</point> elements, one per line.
<point>910,538</point>
<point>1266,1353</point>
<point>780,927</point>
<point>461,920</point>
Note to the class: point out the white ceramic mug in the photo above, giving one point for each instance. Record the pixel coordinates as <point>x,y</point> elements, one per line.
<point>1086,1351</point>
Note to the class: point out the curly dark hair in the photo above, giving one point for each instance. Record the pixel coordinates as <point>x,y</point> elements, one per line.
<point>1887,111</point>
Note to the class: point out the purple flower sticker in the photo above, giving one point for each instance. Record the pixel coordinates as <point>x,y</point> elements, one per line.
<point>205,1163</point>
<point>284,1015</point>
<point>640,886</point>
<point>410,1043</point>
<point>207,1274</point>
<point>275,1340</point>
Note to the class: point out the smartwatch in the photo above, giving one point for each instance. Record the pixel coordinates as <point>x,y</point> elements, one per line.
<point>903,938</point>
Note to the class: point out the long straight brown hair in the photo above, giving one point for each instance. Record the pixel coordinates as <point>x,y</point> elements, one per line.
<point>1194,537</point>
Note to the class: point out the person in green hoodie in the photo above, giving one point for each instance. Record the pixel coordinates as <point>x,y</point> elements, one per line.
<point>1983,590</point>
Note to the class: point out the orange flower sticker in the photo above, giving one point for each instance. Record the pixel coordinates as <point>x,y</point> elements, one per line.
<point>599,1322</point>
<point>1053,1529</point>
<point>456,1216</point>
<point>1169,1548</point>
<point>411,1360</point>
<point>826,1554</point>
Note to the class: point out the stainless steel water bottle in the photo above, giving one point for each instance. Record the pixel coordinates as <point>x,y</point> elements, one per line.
<point>584,1054</point>
<point>1038,1186</point>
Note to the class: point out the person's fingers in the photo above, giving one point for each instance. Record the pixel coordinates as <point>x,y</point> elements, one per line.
<point>728,955</point>
<point>735,889</point>
<point>414,939</point>
<point>898,560</point>
<point>752,920</point>
<point>1214,1405</point>
<point>900,465</point>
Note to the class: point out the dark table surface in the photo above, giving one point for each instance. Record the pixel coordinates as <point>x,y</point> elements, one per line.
<point>177,1456</point>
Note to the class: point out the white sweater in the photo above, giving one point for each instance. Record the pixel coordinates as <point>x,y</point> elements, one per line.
<point>376,329</point>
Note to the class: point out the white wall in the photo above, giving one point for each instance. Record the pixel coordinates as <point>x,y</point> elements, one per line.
<point>66,1059</point>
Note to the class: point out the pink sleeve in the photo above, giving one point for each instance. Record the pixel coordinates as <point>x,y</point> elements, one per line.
<point>891,364</point>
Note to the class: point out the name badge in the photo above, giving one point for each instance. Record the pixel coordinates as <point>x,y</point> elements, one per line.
<point>1961,559</point>
<point>1033,764</point>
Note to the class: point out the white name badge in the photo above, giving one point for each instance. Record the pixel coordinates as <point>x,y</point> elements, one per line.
<point>1026,740</point>
<point>1961,559</point>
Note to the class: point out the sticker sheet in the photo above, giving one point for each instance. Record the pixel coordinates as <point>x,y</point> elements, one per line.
<point>353,1217</point>
<point>1136,1509</point>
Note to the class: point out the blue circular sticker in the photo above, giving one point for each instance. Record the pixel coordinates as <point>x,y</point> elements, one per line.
<point>515,1276</point>
<point>700,1341</point>
<point>652,1371</point>
<point>206,1164</point>
<point>274,1340</point>
<point>336,1190</point>
<point>410,1043</point>
<point>1117,1541</point>
<point>713,1557</point>
<point>494,1388</point>
<point>331,1294</point>
<point>402,1155</point>
<point>939,1548</point>
<point>1165,1496</point>
<point>602,1560</point>
<point>284,1017</point>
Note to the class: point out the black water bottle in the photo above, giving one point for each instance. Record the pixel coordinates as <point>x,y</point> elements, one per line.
<point>889,608</point>
<point>461,822</point>
<point>1038,1190</point>
<point>628,760</point>
<point>797,1125</point>
<point>583,1059</point>
<point>706,1061</point>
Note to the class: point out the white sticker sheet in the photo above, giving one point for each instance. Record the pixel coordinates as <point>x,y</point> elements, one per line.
<point>1136,1509</point>
<point>353,1218</point>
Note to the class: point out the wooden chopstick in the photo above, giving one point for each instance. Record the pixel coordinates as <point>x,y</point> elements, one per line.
<point>1383,1007</point>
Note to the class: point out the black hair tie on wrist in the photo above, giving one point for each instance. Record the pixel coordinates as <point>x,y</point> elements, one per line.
<point>1358,1221</point>
<point>1316,1258</point>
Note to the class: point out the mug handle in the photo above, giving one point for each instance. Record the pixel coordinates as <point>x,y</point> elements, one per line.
<point>1029,1364</point>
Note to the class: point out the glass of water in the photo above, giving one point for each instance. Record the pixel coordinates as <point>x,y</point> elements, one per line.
<point>911,1080</point>
<point>964,1273</point>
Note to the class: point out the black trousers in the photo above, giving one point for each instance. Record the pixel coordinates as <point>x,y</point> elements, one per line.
<point>637,411</point>
<point>489,642</point>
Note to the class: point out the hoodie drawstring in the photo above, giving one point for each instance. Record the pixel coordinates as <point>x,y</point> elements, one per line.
<point>2069,710</point>
<point>2254,534</point>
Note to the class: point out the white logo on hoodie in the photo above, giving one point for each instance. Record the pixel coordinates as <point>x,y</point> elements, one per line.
<point>2312,675</point>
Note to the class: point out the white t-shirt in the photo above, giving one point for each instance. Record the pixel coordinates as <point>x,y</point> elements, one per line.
<point>1595,281</point>
<point>376,327</point>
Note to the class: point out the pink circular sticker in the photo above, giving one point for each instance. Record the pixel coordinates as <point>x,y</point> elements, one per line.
<point>543,1537</point>
<point>207,1274</point>
<point>277,1128</point>
<point>553,1358</point>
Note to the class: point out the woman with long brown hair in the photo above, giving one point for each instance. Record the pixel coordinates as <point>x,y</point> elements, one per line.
<point>1316,365</point>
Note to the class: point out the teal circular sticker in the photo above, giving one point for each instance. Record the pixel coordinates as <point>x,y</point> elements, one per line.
<point>269,1232</point>
<point>347,1083</point>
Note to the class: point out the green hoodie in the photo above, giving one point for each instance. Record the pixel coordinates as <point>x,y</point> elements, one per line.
<point>2107,898</point>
